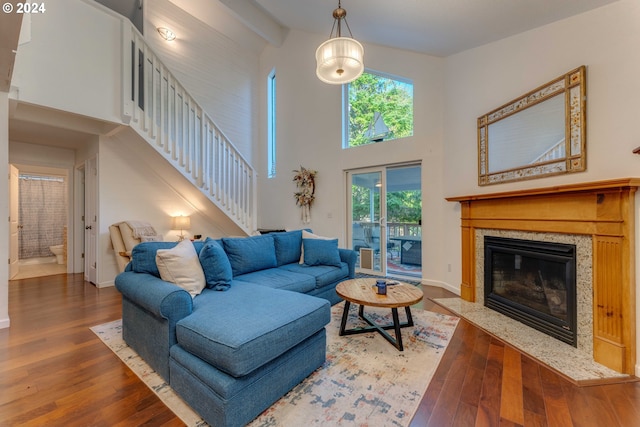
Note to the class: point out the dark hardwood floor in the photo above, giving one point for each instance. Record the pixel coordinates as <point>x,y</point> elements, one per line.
<point>55,372</point>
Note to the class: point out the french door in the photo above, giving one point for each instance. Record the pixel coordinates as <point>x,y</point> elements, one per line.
<point>367,209</point>
<point>385,219</point>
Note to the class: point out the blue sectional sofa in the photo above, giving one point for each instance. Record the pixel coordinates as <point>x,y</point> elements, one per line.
<point>253,333</point>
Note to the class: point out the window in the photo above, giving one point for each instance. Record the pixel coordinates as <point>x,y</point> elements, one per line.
<point>271,124</point>
<point>377,108</point>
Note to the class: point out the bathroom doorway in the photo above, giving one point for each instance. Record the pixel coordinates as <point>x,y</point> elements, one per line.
<point>43,202</point>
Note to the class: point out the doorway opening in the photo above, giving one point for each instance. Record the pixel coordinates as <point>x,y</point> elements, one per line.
<point>385,212</point>
<point>42,212</point>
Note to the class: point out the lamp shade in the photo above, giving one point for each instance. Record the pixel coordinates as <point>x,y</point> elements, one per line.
<point>339,60</point>
<point>181,223</point>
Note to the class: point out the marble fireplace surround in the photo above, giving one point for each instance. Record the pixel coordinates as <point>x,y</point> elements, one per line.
<point>599,218</point>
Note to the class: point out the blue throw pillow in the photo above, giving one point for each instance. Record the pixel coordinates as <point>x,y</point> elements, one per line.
<point>321,252</point>
<point>216,266</point>
<point>288,246</point>
<point>143,256</point>
<point>248,254</point>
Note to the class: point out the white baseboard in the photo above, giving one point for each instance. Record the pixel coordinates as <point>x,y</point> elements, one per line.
<point>105,284</point>
<point>5,323</point>
<point>442,285</point>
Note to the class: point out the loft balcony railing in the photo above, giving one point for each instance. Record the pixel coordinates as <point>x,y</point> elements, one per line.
<point>158,107</point>
<point>557,151</point>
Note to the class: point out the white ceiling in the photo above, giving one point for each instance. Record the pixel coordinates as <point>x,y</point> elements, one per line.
<point>435,27</point>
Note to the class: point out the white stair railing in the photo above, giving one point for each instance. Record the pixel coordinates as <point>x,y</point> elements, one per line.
<point>557,151</point>
<point>168,118</point>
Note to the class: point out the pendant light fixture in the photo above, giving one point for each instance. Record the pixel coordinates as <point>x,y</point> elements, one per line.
<point>339,59</point>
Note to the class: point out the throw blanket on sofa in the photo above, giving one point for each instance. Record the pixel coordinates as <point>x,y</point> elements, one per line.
<point>141,229</point>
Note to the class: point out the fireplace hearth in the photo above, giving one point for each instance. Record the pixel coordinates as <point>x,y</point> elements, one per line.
<point>533,282</point>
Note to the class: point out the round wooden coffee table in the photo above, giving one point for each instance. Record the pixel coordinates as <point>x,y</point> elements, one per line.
<point>364,293</point>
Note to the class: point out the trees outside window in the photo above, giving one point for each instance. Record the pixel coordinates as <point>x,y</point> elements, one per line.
<point>377,108</point>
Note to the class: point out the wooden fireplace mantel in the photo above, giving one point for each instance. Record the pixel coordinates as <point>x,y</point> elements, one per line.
<point>603,210</point>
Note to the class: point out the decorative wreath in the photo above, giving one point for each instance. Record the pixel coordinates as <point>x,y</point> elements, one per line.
<point>305,181</point>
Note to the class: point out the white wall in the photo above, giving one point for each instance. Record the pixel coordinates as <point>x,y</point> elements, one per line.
<point>136,184</point>
<point>4,210</point>
<point>474,82</point>
<point>69,59</point>
<point>450,94</point>
<point>309,134</point>
<point>482,79</point>
<point>58,68</point>
<point>220,73</point>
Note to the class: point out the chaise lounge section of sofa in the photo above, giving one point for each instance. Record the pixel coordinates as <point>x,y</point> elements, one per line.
<point>231,354</point>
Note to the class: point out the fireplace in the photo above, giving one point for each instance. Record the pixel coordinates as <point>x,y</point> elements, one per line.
<point>533,282</point>
<point>601,213</point>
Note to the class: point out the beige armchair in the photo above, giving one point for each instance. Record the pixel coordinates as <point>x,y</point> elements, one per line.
<point>125,235</point>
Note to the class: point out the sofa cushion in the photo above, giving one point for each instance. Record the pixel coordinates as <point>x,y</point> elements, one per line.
<point>321,252</point>
<point>288,246</point>
<point>143,256</point>
<point>224,400</point>
<point>323,275</point>
<point>309,235</point>
<point>216,265</point>
<point>238,337</point>
<point>280,279</point>
<point>180,265</point>
<point>247,254</point>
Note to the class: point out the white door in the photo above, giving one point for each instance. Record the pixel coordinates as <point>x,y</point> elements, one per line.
<point>91,220</point>
<point>14,220</point>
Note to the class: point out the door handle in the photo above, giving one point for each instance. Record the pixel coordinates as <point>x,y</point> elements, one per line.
<point>88,227</point>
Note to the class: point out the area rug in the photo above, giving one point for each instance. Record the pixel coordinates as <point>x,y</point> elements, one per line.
<point>365,381</point>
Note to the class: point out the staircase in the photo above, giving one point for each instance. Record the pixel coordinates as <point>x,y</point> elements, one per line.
<point>557,151</point>
<point>161,111</point>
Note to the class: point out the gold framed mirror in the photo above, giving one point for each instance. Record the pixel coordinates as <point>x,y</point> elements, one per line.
<point>542,133</point>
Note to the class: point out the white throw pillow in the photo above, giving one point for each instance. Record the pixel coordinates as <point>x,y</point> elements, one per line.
<point>307,235</point>
<point>181,265</point>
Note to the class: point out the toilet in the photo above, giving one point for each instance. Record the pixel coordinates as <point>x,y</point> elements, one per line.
<point>58,251</point>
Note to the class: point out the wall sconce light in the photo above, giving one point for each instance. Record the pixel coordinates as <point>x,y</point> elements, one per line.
<point>180,223</point>
<point>167,34</point>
